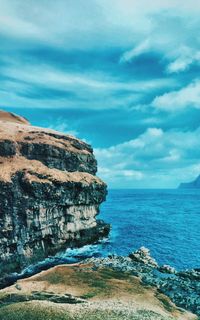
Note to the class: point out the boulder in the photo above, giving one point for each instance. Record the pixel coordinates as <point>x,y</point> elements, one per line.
<point>142,255</point>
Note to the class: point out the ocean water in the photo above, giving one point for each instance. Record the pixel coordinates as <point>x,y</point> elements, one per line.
<point>165,221</point>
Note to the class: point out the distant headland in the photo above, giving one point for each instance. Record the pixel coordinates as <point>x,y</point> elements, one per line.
<point>195,184</point>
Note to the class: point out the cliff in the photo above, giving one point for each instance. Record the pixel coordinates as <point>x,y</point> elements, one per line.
<point>191,185</point>
<point>49,194</point>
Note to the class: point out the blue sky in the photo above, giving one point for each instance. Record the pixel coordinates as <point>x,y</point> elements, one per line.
<point>121,74</point>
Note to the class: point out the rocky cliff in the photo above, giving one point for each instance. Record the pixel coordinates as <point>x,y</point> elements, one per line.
<point>49,194</point>
<point>191,185</point>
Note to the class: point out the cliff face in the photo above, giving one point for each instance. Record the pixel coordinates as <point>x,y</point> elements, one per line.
<point>49,194</point>
<point>191,185</point>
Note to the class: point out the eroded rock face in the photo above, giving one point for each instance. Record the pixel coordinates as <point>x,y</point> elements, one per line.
<point>49,194</point>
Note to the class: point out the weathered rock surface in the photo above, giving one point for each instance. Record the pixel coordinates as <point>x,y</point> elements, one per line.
<point>49,194</point>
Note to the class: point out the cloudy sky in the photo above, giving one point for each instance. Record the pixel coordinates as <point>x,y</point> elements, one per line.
<point>121,74</point>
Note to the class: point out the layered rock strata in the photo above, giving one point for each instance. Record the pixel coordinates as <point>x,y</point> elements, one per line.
<point>49,194</point>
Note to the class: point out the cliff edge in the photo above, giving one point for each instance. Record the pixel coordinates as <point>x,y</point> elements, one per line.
<point>49,194</point>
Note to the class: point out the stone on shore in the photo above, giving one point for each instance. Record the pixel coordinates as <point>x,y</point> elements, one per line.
<point>142,255</point>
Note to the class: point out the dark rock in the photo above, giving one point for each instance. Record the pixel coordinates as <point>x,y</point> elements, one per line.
<point>167,269</point>
<point>59,158</point>
<point>7,148</point>
<point>142,255</point>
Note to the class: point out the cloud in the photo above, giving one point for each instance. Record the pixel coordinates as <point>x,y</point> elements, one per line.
<point>170,36</point>
<point>73,24</point>
<point>125,175</point>
<point>153,159</point>
<point>49,76</point>
<point>62,126</point>
<point>109,71</point>
<point>135,52</point>
<point>183,59</point>
<point>101,33</point>
<point>14,24</point>
<point>49,85</point>
<point>187,97</point>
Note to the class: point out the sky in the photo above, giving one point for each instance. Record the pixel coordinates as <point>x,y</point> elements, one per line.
<point>123,75</point>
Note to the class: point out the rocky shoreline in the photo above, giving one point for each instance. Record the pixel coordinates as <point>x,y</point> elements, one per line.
<point>113,288</point>
<point>182,287</point>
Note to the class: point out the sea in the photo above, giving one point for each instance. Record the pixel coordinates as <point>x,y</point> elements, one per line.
<point>165,221</point>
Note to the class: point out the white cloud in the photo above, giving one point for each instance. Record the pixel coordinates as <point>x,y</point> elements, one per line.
<point>63,127</point>
<point>177,59</point>
<point>135,52</point>
<point>131,25</point>
<point>183,58</point>
<point>14,24</point>
<point>96,90</point>
<point>156,158</point>
<point>188,96</point>
<point>95,23</point>
<point>116,174</point>
<point>73,24</point>
<point>171,31</point>
<point>52,76</point>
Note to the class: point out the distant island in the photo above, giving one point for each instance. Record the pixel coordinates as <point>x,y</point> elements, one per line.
<point>191,185</point>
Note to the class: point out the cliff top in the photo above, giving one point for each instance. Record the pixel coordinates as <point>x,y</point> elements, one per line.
<point>44,152</point>
<point>11,117</point>
<point>18,129</point>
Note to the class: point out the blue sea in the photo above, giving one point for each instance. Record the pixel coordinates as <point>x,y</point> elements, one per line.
<point>165,221</point>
